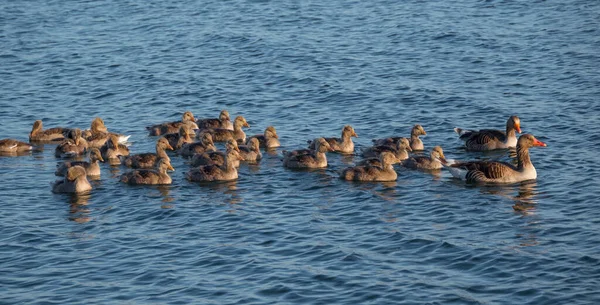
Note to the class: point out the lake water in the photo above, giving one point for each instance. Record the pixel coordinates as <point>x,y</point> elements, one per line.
<point>308,68</point>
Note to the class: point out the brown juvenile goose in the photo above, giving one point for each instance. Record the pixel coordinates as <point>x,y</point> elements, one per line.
<point>92,168</point>
<point>172,127</point>
<point>206,144</point>
<point>308,158</point>
<point>112,150</point>
<point>98,134</point>
<point>176,140</point>
<point>75,181</point>
<point>499,172</point>
<point>224,121</point>
<point>400,149</point>
<point>38,134</point>
<point>250,152</point>
<point>384,172</point>
<point>342,145</point>
<point>490,139</point>
<point>149,176</point>
<point>222,134</point>
<point>209,173</point>
<point>268,140</point>
<point>14,146</point>
<point>73,146</point>
<point>415,141</point>
<point>434,161</point>
<point>149,160</point>
<point>218,157</point>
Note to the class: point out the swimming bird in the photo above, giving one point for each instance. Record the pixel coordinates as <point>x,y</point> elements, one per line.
<point>112,150</point>
<point>434,161</point>
<point>176,140</point>
<point>415,142</point>
<point>75,181</point>
<point>499,172</point>
<point>399,148</point>
<point>383,172</point>
<point>149,160</point>
<point>308,158</point>
<point>222,134</point>
<point>38,134</point>
<point>14,146</point>
<point>92,168</point>
<point>206,144</point>
<point>149,176</point>
<point>209,173</point>
<point>218,157</point>
<point>72,146</point>
<point>224,121</point>
<point>172,127</point>
<point>98,134</point>
<point>250,152</point>
<point>490,139</point>
<point>268,140</point>
<point>342,145</point>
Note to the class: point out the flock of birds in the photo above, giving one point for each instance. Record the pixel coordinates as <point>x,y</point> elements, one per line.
<point>194,139</point>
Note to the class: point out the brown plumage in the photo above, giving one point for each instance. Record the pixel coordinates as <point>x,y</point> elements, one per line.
<point>250,152</point>
<point>14,146</point>
<point>176,140</point>
<point>342,145</point>
<point>399,148</point>
<point>172,127</point>
<point>98,134</point>
<point>490,139</point>
<point>39,135</point>
<point>222,134</point>
<point>218,157</point>
<point>75,181</point>
<point>112,150</point>
<point>206,144</point>
<point>149,176</point>
<point>308,158</point>
<point>209,173</point>
<point>415,142</point>
<point>382,172</point>
<point>224,121</point>
<point>268,140</point>
<point>149,160</point>
<point>92,167</point>
<point>72,146</point>
<point>434,161</point>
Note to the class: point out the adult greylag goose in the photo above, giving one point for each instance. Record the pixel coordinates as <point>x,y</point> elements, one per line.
<point>112,150</point>
<point>490,139</point>
<point>342,145</point>
<point>149,176</point>
<point>72,146</point>
<point>218,157</point>
<point>38,134</point>
<point>176,140</point>
<point>400,149</point>
<point>14,146</point>
<point>415,142</point>
<point>209,173</point>
<point>308,158</point>
<point>224,121</point>
<point>172,127</point>
<point>251,152</point>
<point>75,181</point>
<point>98,134</point>
<point>206,144</point>
<point>384,172</point>
<point>434,161</point>
<point>149,160</point>
<point>92,168</point>
<point>499,172</point>
<point>268,140</point>
<point>222,134</point>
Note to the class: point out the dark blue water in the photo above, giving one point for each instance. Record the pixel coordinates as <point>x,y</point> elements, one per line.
<point>277,236</point>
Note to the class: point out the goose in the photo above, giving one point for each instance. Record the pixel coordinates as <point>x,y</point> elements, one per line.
<point>149,176</point>
<point>384,172</point>
<point>172,127</point>
<point>490,139</point>
<point>434,161</point>
<point>209,173</point>
<point>206,144</point>
<point>218,157</point>
<point>499,172</point>
<point>224,121</point>
<point>149,160</point>
<point>342,145</point>
<point>308,158</point>
<point>38,134</point>
<point>222,134</point>
<point>400,149</point>
<point>98,134</point>
<point>176,140</point>
<point>112,150</point>
<point>72,146</point>
<point>251,152</point>
<point>75,181</point>
<point>14,146</point>
<point>92,168</point>
<point>415,141</point>
<point>268,140</point>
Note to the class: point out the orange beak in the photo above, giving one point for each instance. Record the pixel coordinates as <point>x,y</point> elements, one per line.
<point>537,142</point>
<point>518,128</point>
